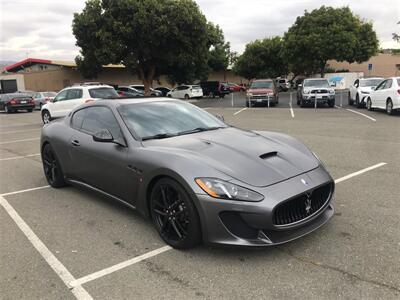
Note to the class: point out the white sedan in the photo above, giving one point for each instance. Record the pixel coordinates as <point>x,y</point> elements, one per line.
<point>386,96</point>
<point>186,92</point>
<point>360,90</point>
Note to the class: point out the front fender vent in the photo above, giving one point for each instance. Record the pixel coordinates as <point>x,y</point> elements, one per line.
<point>269,154</point>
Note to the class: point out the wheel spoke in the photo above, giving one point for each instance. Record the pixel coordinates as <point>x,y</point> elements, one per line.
<point>178,224</point>
<point>164,196</point>
<point>160,212</point>
<point>176,229</point>
<point>53,172</point>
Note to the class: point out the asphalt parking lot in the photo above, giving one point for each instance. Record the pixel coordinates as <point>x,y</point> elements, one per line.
<point>69,243</point>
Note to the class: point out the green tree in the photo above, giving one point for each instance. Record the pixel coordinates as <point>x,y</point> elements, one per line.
<point>262,59</point>
<point>219,53</point>
<point>328,33</point>
<point>396,36</point>
<point>149,37</point>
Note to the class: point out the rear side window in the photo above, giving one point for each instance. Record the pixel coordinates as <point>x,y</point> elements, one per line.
<point>388,84</point>
<point>74,94</point>
<point>98,118</point>
<point>103,93</point>
<point>77,119</point>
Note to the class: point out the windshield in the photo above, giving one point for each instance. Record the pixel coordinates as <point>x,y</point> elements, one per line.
<point>316,83</point>
<point>261,85</point>
<point>103,93</point>
<point>370,82</point>
<point>167,118</point>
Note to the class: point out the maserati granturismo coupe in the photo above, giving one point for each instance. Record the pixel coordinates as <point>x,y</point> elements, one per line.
<point>197,178</point>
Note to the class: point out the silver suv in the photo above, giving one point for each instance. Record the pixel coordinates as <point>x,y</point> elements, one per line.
<point>315,91</point>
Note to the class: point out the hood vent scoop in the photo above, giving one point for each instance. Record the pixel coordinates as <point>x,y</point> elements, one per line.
<point>269,154</point>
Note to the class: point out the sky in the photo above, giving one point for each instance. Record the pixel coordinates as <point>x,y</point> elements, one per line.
<point>42,28</point>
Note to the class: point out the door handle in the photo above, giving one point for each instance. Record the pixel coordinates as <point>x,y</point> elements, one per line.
<point>75,143</point>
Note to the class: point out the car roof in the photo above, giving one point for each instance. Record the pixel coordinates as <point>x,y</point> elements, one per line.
<point>123,101</point>
<point>368,78</point>
<point>268,79</point>
<point>312,79</point>
<point>88,86</point>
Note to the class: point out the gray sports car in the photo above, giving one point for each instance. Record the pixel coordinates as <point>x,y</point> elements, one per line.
<point>196,177</point>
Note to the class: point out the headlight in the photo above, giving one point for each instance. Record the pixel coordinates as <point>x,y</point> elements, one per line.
<point>364,92</point>
<point>331,91</point>
<point>221,189</point>
<point>249,94</point>
<point>306,92</point>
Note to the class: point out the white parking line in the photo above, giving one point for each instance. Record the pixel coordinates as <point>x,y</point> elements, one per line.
<point>117,267</point>
<point>238,112</point>
<point>364,115</point>
<point>79,292</point>
<point>291,109</point>
<point>360,172</point>
<point>24,191</point>
<point>18,131</point>
<point>18,157</point>
<point>17,141</point>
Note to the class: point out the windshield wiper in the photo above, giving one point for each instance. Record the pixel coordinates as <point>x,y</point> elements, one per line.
<point>158,136</point>
<point>199,129</point>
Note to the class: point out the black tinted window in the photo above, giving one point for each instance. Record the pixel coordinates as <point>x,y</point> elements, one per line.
<point>103,93</point>
<point>388,84</point>
<point>61,96</point>
<point>74,94</point>
<point>77,119</point>
<point>98,118</point>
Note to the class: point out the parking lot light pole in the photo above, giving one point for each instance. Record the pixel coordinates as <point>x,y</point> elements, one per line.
<point>315,101</point>
<point>232,98</point>
<point>341,99</point>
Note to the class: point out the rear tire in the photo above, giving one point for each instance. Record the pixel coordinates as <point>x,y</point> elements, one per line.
<point>174,214</point>
<point>46,117</point>
<point>358,104</point>
<point>186,97</point>
<point>52,168</point>
<point>30,110</point>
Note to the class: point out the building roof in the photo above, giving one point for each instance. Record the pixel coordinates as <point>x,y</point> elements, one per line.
<point>32,61</point>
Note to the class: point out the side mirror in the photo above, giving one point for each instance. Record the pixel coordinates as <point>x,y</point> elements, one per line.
<point>103,136</point>
<point>221,117</point>
<point>332,84</point>
<point>300,85</point>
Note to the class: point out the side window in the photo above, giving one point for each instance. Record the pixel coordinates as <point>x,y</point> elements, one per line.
<point>74,94</point>
<point>77,119</point>
<point>388,84</point>
<point>61,96</point>
<point>381,85</point>
<point>37,96</point>
<point>98,118</point>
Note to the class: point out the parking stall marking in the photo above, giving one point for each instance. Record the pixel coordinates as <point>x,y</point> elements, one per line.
<point>18,131</point>
<point>364,115</point>
<point>117,267</point>
<point>360,172</point>
<point>19,157</point>
<point>24,191</point>
<point>239,111</point>
<point>17,141</point>
<point>79,292</point>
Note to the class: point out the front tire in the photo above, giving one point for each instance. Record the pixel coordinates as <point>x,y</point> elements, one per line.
<point>174,214</point>
<point>389,107</point>
<point>358,104</point>
<point>186,97</point>
<point>52,168</point>
<point>369,104</point>
<point>46,117</point>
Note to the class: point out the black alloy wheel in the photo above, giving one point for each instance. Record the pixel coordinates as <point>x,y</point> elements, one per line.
<point>389,107</point>
<point>52,169</point>
<point>369,104</point>
<point>358,104</point>
<point>46,117</point>
<point>174,214</point>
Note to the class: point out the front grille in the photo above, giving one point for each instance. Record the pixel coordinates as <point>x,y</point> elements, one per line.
<point>303,205</point>
<point>260,97</point>
<point>319,91</point>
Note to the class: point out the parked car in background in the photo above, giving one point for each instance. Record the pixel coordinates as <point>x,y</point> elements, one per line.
<point>214,88</point>
<point>164,90</point>
<point>233,87</point>
<point>16,101</point>
<point>71,97</point>
<point>315,90</point>
<point>140,87</point>
<point>386,96</point>
<point>243,87</point>
<point>283,84</point>
<point>41,98</point>
<point>186,92</point>
<point>361,88</point>
<point>262,91</point>
<point>127,91</point>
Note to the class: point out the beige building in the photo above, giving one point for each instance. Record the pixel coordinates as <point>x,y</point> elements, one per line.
<point>51,75</point>
<point>384,64</point>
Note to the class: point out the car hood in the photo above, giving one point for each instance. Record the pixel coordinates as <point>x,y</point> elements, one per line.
<point>258,159</point>
<point>367,89</point>
<point>260,91</point>
<point>310,88</point>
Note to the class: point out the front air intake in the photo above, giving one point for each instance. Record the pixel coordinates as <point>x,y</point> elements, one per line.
<point>268,155</point>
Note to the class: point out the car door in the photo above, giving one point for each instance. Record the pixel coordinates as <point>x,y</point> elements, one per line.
<point>386,92</point>
<point>376,96</point>
<point>56,106</point>
<point>101,165</point>
<point>74,98</point>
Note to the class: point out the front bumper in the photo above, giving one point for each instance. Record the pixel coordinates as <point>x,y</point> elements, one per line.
<point>262,99</point>
<point>21,106</point>
<point>320,98</point>
<point>242,223</point>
